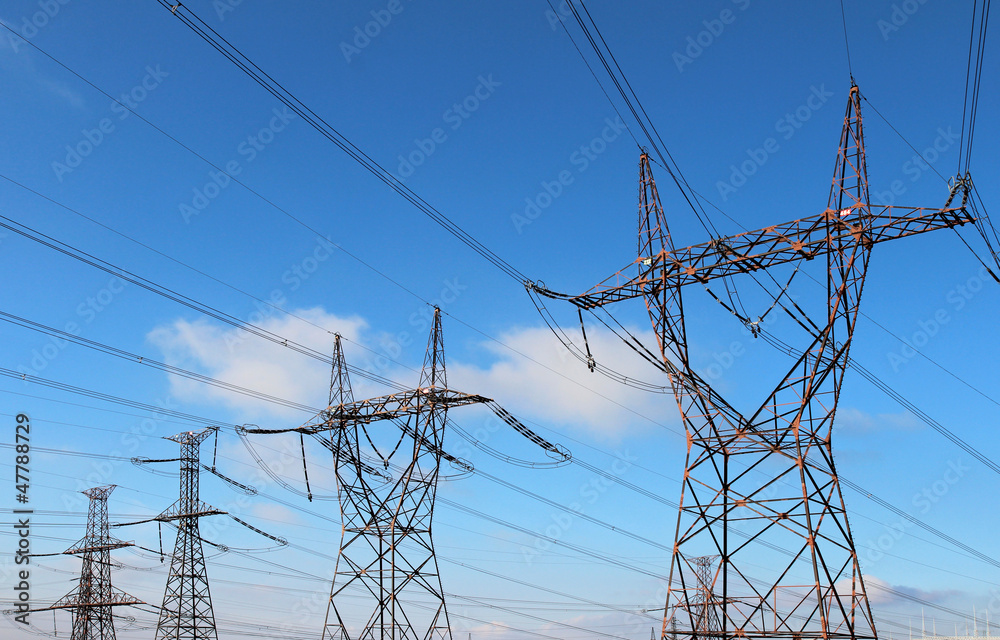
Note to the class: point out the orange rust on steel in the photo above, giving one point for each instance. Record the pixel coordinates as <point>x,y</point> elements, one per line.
<point>397,405</point>
<point>761,249</point>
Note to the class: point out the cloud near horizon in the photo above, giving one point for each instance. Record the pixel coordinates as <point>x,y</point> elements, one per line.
<point>549,385</point>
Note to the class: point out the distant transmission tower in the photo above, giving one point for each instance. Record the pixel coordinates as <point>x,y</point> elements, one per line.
<point>768,476</point>
<point>187,613</point>
<point>706,608</point>
<point>386,551</point>
<point>94,597</point>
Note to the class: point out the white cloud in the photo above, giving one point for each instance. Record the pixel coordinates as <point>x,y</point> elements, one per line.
<point>19,58</point>
<point>882,593</point>
<point>557,388</point>
<point>852,420</point>
<point>236,357</point>
<point>552,387</point>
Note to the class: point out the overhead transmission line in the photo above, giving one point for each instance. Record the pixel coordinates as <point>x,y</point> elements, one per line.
<point>506,523</point>
<point>275,88</point>
<point>619,79</point>
<point>513,611</point>
<point>588,16</point>
<point>631,340</point>
<point>78,254</point>
<point>599,606</point>
<point>14,229</point>
<point>973,81</point>
<point>290,216</point>
<point>234,388</point>
<point>170,294</point>
<point>201,157</point>
<point>131,357</point>
<point>634,344</point>
<point>847,41</point>
<point>624,87</point>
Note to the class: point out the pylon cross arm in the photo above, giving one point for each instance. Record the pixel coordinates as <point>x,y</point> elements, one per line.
<point>805,238</point>
<point>72,601</point>
<point>396,405</point>
<point>177,512</point>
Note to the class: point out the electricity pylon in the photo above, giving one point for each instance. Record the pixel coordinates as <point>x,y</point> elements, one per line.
<point>386,551</point>
<point>706,613</point>
<point>94,597</point>
<point>795,507</point>
<point>187,613</point>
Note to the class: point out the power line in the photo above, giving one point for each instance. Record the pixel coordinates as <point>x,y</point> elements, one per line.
<point>228,319</point>
<point>208,421</point>
<point>275,88</point>
<point>847,43</point>
<point>309,550</point>
<point>635,107</point>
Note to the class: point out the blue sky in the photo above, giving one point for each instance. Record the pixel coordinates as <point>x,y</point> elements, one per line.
<point>481,110</point>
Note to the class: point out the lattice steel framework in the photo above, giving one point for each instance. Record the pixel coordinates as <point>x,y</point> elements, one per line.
<point>386,551</point>
<point>94,597</point>
<point>795,506</point>
<point>706,609</point>
<point>187,613</point>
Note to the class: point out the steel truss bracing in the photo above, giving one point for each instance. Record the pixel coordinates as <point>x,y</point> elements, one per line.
<point>767,478</point>
<point>386,547</point>
<point>94,597</point>
<point>187,613</point>
<point>386,555</point>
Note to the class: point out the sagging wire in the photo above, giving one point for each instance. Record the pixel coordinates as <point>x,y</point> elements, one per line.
<point>553,449</point>
<point>242,432</point>
<point>754,325</point>
<point>535,290</point>
<point>368,467</point>
<point>282,541</point>
<point>636,345</point>
<point>305,470</point>
<point>494,453</point>
<point>590,358</point>
<point>966,185</point>
<point>243,488</point>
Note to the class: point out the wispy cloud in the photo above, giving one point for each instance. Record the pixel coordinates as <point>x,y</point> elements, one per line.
<point>17,56</point>
<point>852,420</point>
<point>551,387</point>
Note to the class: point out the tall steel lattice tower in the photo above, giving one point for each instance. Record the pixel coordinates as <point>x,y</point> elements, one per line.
<point>767,477</point>
<point>386,552</point>
<point>94,597</point>
<point>187,613</point>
